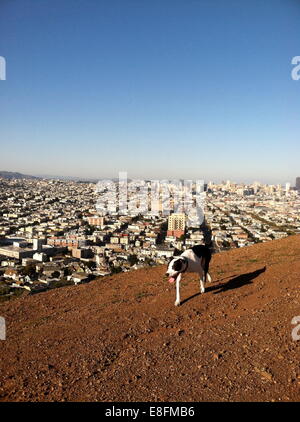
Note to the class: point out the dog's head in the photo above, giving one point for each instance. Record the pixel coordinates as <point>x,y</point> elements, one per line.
<point>176,266</point>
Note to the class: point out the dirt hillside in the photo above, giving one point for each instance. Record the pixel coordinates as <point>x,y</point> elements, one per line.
<point>121,338</point>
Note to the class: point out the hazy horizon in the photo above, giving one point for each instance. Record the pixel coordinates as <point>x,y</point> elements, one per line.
<point>114,177</point>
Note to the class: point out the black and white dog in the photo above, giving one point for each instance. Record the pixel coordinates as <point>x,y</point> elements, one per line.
<point>194,260</point>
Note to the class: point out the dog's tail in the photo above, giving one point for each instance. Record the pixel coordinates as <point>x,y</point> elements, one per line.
<point>210,240</point>
<point>216,244</point>
<point>213,244</point>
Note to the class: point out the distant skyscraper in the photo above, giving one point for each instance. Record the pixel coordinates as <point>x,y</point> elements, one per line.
<point>176,222</point>
<point>298,183</point>
<point>96,221</point>
<point>38,243</point>
<point>176,225</point>
<point>255,187</point>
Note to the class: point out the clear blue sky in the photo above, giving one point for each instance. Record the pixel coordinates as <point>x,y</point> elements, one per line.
<point>162,89</point>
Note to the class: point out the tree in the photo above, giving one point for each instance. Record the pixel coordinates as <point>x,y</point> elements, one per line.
<point>133,259</point>
<point>29,270</point>
<point>116,270</point>
<point>4,290</point>
<point>164,227</point>
<point>91,265</point>
<point>162,233</point>
<point>88,230</point>
<point>148,261</point>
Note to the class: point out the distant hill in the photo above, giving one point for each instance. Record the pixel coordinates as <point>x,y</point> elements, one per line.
<point>15,175</point>
<point>69,178</point>
<point>120,337</point>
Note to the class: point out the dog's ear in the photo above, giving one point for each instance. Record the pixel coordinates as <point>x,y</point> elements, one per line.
<point>176,252</point>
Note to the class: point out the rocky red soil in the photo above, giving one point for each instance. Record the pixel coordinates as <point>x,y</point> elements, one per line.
<point>121,338</point>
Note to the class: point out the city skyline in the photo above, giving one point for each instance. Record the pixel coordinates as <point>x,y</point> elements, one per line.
<point>175,90</point>
<point>293,183</point>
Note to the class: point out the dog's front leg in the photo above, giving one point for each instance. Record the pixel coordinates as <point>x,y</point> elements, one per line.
<point>202,284</point>
<point>177,302</point>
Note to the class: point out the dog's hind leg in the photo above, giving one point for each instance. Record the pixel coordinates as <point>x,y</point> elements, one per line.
<point>205,265</point>
<point>202,283</point>
<point>202,286</point>
<point>177,302</point>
